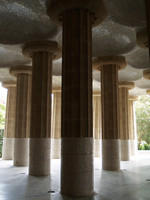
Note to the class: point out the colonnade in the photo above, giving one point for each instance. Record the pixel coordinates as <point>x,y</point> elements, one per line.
<point>74,110</point>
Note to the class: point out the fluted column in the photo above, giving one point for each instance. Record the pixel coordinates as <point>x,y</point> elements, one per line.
<point>147,6</point>
<point>97,123</point>
<point>77,136</point>
<point>42,54</point>
<point>109,66</point>
<point>56,125</point>
<point>124,119</point>
<point>9,131</point>
<point>132,125</point>
<point>22,123</point>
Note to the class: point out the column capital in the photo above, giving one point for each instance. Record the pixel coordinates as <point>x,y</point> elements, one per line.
<point>119,61</point>
<point>56,89</point>
<point>42,46</point>
<point>128,85</point>
<point>96,8</point>
<point>148,92</point>
<point>133,98</point>
<point>142,39</point>
<point>21,69</point>
<point>96,93</point>
<point>146,74</point>
<point>8,84</point>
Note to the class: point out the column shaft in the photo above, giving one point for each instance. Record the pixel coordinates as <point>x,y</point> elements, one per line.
<point>40,114</point>
<point>97,124</point>
<point>133,142</point>
<point>110,135</point>
<point>22,125</point>
<point>77,142</point>
<point>124,123</point>
<point>56,126</point>
<point>9,133</point>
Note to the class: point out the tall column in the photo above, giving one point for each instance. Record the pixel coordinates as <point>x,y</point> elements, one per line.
<point>148,92</point>
<point>124,119</point>
<point>56,125</point>
<point>9,133</point>
<point>132,125</point>
<point>147,6</point>
<point>42,54</point>
<point>109,66</point>
<point>22,123</point>
<point>97,123</point>
<point>77,137</point>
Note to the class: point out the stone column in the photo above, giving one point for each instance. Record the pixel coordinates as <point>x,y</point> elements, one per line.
<point>124,119</point>
<point>77,137</point>
<point>148,92</point>
<point>109,66</point>
<point>97,123</point>
<point>42,54</point>
<point>9,133</point>
<point>132,125</point>
<point>147,6</point>
<point>56,125</point>
<point>22,123</point>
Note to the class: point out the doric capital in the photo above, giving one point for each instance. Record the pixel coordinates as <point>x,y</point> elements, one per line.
<point>133,98</point>
<point>128,85</point>
<point>142,39</point>
<point>97,93</point>
<point>56,89</point>
<point>146,74</point>
<point>42,46</point>
<point>119,61</point>
<point>56,8</point>
<point>8,84</point>
<point>148,92</point>
<point>14,71</point>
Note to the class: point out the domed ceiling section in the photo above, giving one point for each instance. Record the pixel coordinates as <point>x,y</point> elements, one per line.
<point>127,12</point>
<point>26,20</point>
<point>5,76</point>
<point>57,67</point>
<point>138,59</point>
<point>110,38</point>
<point>143,83</point>
<point>11,55</point>
<point>137,92</point>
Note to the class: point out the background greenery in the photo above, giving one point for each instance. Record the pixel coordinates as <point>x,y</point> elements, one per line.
<point>2,123</point>
<point>142,108</point>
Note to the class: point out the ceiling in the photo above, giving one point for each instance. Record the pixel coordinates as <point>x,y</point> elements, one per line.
<point>26,20</point>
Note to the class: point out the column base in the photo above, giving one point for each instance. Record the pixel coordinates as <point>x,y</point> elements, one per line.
<point>133,147</point>
<point>77,166</point>
<point>111,154</point>
<point>97,148</point>
<point>8,148</point>
<point>125,150</point>
<point>21,152</point>
<point>55,148</point>
<point>39,164</point>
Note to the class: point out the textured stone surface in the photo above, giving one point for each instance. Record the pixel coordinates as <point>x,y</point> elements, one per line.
<point>125,150</point>
<point>133,147</point>
<point>21,152</point>
<point>143,83</point>
<point>97,147</point>
<point>111,154</point>
<point>55,148</point>
<point>8,148</point>
<point>39,163</point>
<point>77,166</point>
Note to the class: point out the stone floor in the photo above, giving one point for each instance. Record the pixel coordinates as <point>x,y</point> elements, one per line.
<point>132,183</point>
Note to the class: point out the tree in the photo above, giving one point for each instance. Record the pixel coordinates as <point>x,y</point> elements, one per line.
<point>142,108</point>
<point>2,116</point>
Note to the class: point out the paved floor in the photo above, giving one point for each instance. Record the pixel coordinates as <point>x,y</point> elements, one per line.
<point>129,184</point>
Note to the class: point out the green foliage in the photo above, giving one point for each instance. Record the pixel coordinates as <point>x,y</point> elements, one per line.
<point>143,121</point>
<point>1,141</point>
<point>2,116</point>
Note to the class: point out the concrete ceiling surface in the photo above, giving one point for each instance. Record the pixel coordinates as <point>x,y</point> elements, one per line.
<point>26,20</point>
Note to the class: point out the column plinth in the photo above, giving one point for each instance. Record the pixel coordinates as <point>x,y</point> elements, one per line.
<point>42,54</point>
<point>22,123</point>
<point>109,66</point>
<point>132,125</point>
<point>77,19</point>
<point>124,119</point>
<point>9,133</point>
<point>56,125</point>
<point>97,123</point>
